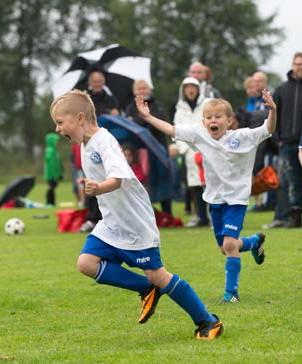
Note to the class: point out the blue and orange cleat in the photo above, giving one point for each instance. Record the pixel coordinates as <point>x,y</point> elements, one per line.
<point>209,330</point>
<point>149,301</point>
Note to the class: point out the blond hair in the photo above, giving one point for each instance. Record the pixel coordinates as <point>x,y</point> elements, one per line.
<point>73,102</point>
<point>217,103</point>
<point>249,80</point>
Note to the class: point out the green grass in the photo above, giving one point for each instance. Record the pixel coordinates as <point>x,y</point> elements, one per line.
<point>49,313</point>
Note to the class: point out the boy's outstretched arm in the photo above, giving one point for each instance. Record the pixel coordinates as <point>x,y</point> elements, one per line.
<point>272,116</point>
<point>159,124</point>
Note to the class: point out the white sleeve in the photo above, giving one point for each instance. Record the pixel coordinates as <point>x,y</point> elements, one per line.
<point>115,163</point>
<point>257,135</point>
<point>187,133</point>
<point>178,120</point>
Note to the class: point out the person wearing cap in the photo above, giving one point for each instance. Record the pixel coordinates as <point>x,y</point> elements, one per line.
<point>188,111</point>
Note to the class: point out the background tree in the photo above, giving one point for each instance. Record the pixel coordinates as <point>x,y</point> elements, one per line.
<point>36,36</point>
<point>229,36</point>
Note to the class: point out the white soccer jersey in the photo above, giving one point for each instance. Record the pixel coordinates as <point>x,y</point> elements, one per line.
<point>128,218</point>
<point>228,162</point>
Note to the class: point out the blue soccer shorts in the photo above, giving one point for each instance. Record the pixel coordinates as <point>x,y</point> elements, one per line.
<point>227,220</point>
<point>143,259</point>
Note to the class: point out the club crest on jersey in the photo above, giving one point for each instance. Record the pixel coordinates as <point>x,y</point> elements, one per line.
<point>96,158</point>
<point>234,143</point>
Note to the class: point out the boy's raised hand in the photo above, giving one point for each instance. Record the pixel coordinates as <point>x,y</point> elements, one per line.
<point>142,107</point>
<point>268,99</point>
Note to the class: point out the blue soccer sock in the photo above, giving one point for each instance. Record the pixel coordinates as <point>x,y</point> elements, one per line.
<point>113,274</point>
<point>249,242</point>
<point>232,272</point>
<point>183,294</point>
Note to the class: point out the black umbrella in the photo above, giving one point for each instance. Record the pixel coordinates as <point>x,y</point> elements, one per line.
<point>18,188</point>
<point>125,130</point>
<point>120,65</point>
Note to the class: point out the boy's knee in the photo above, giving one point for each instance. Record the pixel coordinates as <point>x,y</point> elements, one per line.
<point>87,265</point>
<point>230,245</point>
<point>81,265</point>
<point>159,277</point>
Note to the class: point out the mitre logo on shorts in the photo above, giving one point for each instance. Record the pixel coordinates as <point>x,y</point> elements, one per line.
<point>231,227</point>
<point>96,158</point>
<point>143,260</point>
<point>234,143</point>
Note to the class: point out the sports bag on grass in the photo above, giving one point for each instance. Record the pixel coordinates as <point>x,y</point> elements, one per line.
<point>70,220</point>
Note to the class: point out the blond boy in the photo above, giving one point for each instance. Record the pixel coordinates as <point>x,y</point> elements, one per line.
<point>228,162</point>
<point>128,232</point>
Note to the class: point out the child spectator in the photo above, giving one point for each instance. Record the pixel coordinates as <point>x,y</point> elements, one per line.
<point>77,174</point>
<point>131,155</point>
<point>53,169</point>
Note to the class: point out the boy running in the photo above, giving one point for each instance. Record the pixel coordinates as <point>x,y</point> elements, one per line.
<point>228,162</point>
<point>128,232</point>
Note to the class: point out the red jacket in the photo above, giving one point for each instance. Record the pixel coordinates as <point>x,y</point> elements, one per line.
<point>199,162</point>
<point>138,171</point>
<point>76,156</point>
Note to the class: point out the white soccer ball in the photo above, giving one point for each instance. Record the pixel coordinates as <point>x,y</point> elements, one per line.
<point>14,226</point>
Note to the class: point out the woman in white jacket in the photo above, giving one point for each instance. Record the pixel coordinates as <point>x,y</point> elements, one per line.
<point>189,111</point>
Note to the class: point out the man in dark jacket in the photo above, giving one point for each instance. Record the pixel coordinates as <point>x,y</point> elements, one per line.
<point>288,98</point>
<point>103,102</point>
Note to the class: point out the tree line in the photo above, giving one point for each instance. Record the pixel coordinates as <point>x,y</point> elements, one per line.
<point>36,36</point>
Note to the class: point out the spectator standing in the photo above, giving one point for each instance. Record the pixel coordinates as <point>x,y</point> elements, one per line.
<point>288,98</point>
<point>203,75</point>
<point>77,174</point>
<point>210,90</point>
<point>266,149</point>
<point>188,112</point>
<point>160,183</point>
<point>104,104</point>
<point>251,93</point>
<point>196,71</point>
<point>53,169</point>
<point>260,83</point>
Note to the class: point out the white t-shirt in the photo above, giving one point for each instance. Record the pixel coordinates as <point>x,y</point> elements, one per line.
<point>128,218</point>
<point>228,162</point>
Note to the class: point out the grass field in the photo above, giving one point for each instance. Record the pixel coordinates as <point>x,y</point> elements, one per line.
<point>49,313</point>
